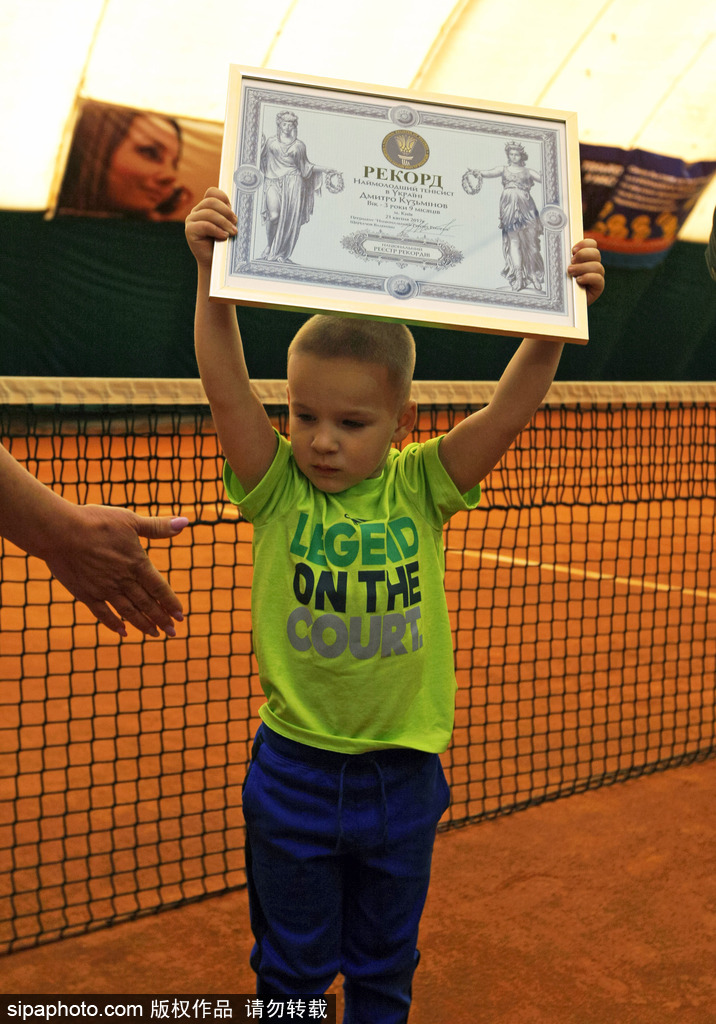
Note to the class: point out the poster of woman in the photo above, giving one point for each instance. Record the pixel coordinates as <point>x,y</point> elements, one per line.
<point>137,164</point>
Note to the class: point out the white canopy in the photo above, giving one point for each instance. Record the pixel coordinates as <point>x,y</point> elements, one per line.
<point>639,73</point>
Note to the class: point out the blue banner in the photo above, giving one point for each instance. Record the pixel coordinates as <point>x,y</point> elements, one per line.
<point>636,202</point>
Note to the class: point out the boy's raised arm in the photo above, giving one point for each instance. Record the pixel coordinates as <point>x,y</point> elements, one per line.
<point>245,432</point>
<point>475,446</point>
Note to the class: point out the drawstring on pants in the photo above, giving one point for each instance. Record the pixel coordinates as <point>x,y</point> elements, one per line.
<point>383,802</point>
<point>340,805</point>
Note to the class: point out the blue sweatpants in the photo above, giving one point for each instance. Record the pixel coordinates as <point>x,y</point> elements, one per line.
<point>338,852</point>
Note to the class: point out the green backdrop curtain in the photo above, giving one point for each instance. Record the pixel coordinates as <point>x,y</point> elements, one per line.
<point>104,298</point>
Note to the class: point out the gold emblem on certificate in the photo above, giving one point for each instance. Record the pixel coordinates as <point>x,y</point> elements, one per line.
<point>405,149</point>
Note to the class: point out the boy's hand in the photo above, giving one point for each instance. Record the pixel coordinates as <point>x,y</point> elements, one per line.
<point>211,220</point>
<point>586,267</point>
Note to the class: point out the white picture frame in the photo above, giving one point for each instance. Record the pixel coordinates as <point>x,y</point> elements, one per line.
<point>396,205</point>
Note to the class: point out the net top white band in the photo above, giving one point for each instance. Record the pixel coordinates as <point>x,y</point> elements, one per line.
<point>189,391</point>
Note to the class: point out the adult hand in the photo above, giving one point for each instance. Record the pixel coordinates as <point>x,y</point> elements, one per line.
<point>97,556</point>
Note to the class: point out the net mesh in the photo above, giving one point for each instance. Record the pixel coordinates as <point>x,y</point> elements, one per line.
<point>581,593</point>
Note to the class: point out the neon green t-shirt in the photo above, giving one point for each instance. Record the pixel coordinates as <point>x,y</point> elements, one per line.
<point>350,622</point>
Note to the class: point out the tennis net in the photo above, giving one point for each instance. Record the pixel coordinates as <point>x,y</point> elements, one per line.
<point>581,593</point>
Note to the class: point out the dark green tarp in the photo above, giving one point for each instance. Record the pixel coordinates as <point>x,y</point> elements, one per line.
<point>102,298</point>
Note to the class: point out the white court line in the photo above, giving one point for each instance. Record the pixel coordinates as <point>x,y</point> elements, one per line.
<point>227,512</point>
<point>631,582</point>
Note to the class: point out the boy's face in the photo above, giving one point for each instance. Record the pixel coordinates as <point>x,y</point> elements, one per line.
<point>343,417</point>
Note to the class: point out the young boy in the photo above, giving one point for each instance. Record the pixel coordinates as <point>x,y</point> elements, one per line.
<point>352,633</point>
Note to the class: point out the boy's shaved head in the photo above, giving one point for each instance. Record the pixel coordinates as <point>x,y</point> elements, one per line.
<point>370,341</point>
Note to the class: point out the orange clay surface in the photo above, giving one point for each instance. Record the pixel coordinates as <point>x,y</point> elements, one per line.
<point>596,909</point>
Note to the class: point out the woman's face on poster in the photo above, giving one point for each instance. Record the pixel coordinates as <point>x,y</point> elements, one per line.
<point>142,171</point>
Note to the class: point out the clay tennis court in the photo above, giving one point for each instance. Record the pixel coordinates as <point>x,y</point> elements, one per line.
<point>582,597</point>
<point>598,909</point>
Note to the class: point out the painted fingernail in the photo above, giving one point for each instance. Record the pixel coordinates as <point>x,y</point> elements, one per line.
<point>179,523</point>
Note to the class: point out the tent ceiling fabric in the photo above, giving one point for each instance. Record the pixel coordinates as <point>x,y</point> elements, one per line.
<point>639,73</point>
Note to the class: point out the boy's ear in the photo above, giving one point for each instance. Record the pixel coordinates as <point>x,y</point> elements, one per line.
<point>406,420</point>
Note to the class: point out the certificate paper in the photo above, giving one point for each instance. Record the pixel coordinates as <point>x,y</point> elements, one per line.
<point>394,205</point>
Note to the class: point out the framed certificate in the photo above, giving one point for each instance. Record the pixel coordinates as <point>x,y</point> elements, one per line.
<point>430,210</point>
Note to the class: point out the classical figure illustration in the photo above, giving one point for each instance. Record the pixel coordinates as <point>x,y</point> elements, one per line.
<point>519,217</point>
<point>291,183</point>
